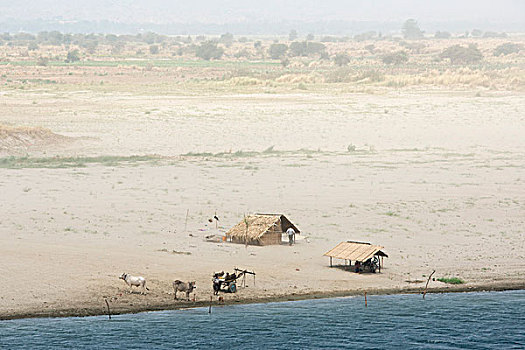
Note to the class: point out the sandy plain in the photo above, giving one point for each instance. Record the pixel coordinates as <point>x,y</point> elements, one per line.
<point>435,176</point>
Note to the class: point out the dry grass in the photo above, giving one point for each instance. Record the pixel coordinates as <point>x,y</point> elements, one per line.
<point>12,137</point>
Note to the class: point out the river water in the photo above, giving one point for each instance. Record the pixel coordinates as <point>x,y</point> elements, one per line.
<point>442,321</point>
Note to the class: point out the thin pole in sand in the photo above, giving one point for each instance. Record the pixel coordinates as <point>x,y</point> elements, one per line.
<point>109,311</point>
<point>426,286</point>
<point>186,221</point>
<point>211,299</point>
<point>366,302</point>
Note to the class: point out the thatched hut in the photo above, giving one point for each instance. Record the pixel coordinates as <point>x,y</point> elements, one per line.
<point>361,253</point>
<point>260,229</point>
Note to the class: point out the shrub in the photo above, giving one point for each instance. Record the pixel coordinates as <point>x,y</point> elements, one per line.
<point>494,35</point>
<point>42,61</point>
<point>209,50</point>
<point>442,35</point>
<point>476,33</point>
<point>507,49</point>
<point>341,59</point>
<point>32,46</point>
<point>276,51</point>
<point>458,54</point>
<point>73,56</point>
<point>329,39</point>
<point>242,53</point>
<point>154,49</point>
<point>398,57</point>
<point>365,36</point>
<point>451,280</point>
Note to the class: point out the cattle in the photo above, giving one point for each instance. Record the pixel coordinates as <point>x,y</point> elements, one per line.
<point>137,281</point>
<point>179,286</point>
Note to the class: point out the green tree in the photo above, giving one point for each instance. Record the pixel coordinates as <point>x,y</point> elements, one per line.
<point>32,46</point>
<point>365,36</point>
<point>209,50</point>
<point>73,56</point>
<point>154,49</point>
<point>293,35</point>
<point>411,30</point>
<point>276,51</point>
<point>305,48</point>
<point>442,35</point>
<point>226,39</point>
<point>476,33</point>
<point>310,37</point>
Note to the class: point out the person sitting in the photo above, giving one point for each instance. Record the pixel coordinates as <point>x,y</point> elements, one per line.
<point>358,267</point>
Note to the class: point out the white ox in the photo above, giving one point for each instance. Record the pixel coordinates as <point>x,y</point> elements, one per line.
<point>137,281</point>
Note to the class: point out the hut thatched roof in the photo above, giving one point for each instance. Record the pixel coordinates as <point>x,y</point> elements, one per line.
<point>355,251</point>
<point>254,226</point>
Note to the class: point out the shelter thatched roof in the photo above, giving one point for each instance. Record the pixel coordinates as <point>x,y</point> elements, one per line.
<point>355,251</point>
<point>253,227</point>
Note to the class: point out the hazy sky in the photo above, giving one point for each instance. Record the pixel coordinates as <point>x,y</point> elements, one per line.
<point>220,11</point>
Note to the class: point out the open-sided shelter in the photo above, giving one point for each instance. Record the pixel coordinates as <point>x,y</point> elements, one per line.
<point>359,252</point>
<point>260,229</point>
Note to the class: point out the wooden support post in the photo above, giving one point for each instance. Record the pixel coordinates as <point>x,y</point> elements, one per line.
<point>186,221</point>
<point>330,261</point>
<point>211,299</point>
<point>109,311</point>
<point>426,286</point>
<point>366,302</point>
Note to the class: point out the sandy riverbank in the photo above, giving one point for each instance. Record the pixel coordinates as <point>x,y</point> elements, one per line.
<point>435,177</point>
<point>100,308</point>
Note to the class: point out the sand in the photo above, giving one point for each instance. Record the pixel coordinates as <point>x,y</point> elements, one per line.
<point>436,177</point>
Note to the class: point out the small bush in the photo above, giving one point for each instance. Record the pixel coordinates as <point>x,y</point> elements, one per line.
<point>42,61</point>
<point>365,36</point>
<point>154,49</point>
<point>507,49</point>
<point>458,54</point>
<point>341,59</point>
<point>494,35</point>
<point>442,35</point>
<point>398,57</point>
<point>451,280</point>
<point>209,50</point>
<point>32,46</point>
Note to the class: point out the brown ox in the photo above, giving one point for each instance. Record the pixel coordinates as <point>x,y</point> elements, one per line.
<point>179,286</point>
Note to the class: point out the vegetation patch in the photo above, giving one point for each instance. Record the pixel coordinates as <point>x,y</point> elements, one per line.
<point>451,280</point>
<point>71,162</point>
